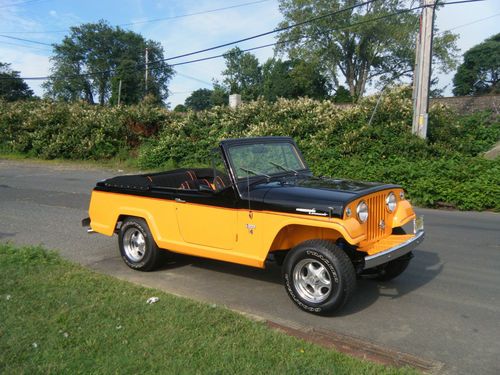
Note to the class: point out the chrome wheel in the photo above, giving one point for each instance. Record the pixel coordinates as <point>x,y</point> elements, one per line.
<point>312,280</point>
<point>134,244</point>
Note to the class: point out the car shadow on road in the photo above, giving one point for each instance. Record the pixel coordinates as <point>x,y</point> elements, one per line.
<point>271,274</point>
<point>423,268</point>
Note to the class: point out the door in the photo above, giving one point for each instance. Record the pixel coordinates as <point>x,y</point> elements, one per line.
<point>208,219</point>
<point>205,217</point>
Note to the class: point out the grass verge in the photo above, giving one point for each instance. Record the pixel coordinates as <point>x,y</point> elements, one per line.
<point>57,317</point>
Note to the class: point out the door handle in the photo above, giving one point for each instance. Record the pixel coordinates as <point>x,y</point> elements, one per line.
<point>179,200</point>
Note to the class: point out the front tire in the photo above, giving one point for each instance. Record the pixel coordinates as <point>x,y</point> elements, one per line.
<point>137,246</point>
<point>318,276</point>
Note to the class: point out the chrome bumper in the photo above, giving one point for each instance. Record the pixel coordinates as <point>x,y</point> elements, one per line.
<point>394,252</point>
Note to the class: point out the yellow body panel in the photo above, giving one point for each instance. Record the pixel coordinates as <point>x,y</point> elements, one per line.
<point>207,225</point>
<point>238,236</point>
<point>404,213</point>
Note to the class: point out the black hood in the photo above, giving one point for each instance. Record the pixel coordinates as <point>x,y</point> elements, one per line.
<point>311,195</point>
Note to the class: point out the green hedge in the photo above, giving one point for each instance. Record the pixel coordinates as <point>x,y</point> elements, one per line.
<point>75,131</point>
<point>444,170</point>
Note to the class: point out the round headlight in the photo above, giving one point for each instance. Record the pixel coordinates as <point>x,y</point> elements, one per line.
<point>362,211</point>
<point>390,202</point>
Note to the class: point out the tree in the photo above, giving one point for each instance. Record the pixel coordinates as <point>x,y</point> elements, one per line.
<point>180,108</point>
<point>342,95</point>
<point>202,99</point>
<point>382,50</point>
<point>292,79</point>
<point>220,96</point>
<point>276,78</point>
<point>12,87</point>
<point>90,62</point>
<point>199,100</point>
<point>243,74</point>
<point>480,71</point>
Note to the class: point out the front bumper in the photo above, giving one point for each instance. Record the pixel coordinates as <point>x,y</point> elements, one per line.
<point>395,252</point>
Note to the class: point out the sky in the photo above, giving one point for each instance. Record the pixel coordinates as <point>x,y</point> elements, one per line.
<point>47,22</point>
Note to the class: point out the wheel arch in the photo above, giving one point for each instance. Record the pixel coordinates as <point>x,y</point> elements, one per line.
<point>138,215</point>
<point>292,233</point>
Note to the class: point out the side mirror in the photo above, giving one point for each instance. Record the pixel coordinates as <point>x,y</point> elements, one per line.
<point>205,189</point>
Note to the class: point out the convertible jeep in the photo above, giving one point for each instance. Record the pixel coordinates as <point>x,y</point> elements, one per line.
<point>259,202</point>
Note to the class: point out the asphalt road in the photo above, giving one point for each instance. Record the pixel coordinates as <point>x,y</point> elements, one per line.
<point>445,307</point>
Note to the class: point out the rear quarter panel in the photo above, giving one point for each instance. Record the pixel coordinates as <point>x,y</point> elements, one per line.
<point>106,208</point>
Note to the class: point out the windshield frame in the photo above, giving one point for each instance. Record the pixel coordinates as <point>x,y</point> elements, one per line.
<point>265,141</point>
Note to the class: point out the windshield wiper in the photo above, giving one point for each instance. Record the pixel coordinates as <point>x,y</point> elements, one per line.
<point>284,168</point>
<point>263,177</point>
<point>254,172</point>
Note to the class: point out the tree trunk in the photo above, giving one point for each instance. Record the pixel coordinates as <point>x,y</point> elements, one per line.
<point>89,97</point>
<point>102,93</point>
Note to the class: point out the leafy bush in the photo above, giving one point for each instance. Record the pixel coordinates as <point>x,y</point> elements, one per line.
<point>324,130</point>
<point>444,170</point>
<point>465,183</point>
<point>75,131</point>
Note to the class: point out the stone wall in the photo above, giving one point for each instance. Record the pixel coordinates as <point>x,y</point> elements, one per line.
<point>469,104</point>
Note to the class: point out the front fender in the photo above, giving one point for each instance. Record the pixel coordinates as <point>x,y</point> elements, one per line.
<point>295,229</point>
<point>404,213</point>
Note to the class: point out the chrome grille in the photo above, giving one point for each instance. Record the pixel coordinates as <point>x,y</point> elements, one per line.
<point>376,213</point>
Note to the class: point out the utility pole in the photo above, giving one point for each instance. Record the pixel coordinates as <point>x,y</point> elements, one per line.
<point>146,73</point>
<point>422,75</point>
<point>119,91</point>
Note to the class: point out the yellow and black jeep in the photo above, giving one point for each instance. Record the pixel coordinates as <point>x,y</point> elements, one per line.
<point>259,202</point>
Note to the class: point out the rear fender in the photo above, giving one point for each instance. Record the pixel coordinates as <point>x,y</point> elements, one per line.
<point>105,216</point>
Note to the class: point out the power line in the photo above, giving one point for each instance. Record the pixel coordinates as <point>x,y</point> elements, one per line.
<point>152,20</point>
<point>271,31</point>
<point>274,31</point>
<point>25,40</point>
<point>193,78</point>
<point>194,14</point>
<point>302,37</point>
<point>330,14</point>
<point>295,25</point>
<point>473,22</point>
<point>262,34</point>
<point>23,45</point>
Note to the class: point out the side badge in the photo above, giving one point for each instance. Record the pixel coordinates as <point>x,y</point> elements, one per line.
<point>311,211</point>
<point>250,228</point>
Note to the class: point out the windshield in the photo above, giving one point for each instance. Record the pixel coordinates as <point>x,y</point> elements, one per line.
<point>264,159</point>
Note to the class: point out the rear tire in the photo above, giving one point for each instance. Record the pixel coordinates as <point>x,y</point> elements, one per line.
<point>318,276</point>
<point>137,245</point>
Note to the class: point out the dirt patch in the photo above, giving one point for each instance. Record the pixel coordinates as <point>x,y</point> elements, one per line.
<point>361,348</point>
